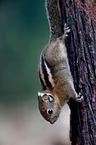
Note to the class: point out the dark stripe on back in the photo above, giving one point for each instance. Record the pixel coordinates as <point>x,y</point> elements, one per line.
<point>42,83</point>
<point>45,74</point>
<point>49,66</point>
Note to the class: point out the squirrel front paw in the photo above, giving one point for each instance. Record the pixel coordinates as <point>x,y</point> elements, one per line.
<point>66,30</point>
<point>79,97</point>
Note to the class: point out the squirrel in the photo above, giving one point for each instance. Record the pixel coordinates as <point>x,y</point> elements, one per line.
<point>54,70</point>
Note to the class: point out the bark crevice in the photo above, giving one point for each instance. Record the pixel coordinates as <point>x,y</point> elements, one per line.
<point>80,16</point>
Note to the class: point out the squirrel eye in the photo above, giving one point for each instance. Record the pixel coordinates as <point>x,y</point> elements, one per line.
<point>49,111</point>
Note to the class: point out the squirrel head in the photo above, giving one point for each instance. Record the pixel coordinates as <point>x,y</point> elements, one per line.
<point>49,106</point>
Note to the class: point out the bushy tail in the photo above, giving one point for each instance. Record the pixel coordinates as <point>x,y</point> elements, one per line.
<point>54,18</point>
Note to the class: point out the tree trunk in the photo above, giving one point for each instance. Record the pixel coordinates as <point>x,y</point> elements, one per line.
<point>80,16</point>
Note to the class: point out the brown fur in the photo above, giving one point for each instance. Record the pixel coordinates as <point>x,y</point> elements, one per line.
<point>56,56</point>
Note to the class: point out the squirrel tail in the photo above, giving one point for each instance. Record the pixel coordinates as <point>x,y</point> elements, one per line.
<point>54,18</point>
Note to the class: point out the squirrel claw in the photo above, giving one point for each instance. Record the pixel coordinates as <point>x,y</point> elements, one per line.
<point>79,98</point>
<point>66,30</point>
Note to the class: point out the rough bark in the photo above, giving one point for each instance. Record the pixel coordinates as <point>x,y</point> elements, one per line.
<point>80,16</point>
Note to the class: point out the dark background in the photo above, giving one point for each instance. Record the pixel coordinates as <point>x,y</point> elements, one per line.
<point>23,34</point>
<point>24,31</point>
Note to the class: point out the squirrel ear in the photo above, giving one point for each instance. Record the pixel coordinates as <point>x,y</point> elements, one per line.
<point>40,94</point>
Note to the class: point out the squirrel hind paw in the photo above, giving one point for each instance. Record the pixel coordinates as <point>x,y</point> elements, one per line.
<point>79,98</point>
<point>66,30</point>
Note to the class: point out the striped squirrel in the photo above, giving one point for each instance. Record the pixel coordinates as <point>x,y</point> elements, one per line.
<point>54,71</point>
